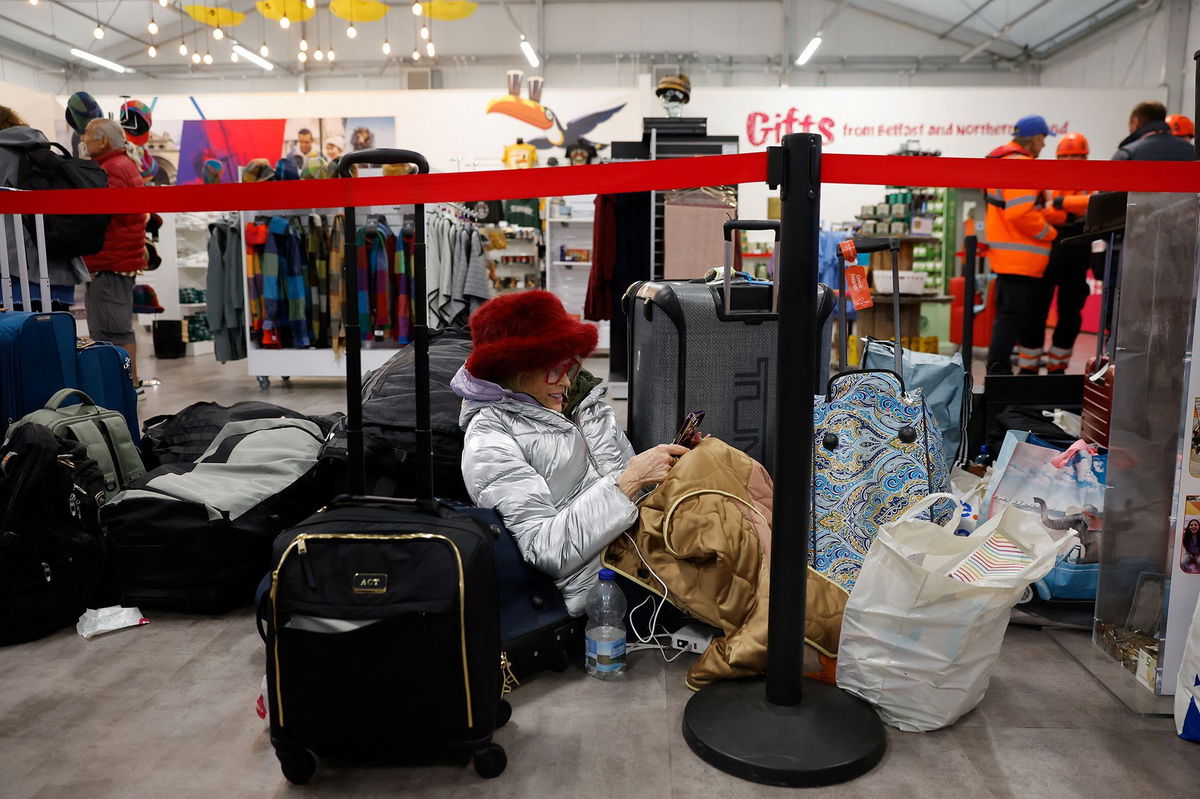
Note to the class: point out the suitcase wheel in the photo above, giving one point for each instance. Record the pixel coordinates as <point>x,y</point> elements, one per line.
<point>503,713</point>
<point>489,761</point>
<point>299,765</point>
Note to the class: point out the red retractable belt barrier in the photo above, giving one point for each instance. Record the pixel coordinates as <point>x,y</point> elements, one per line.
<point>677,173</point>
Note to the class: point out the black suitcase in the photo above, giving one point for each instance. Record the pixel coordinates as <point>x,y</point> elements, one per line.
<point>712,347</point>
<point>382,616</point>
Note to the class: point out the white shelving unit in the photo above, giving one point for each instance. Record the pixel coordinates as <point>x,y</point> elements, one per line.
<point>526,275</point>
<point>568,225</point>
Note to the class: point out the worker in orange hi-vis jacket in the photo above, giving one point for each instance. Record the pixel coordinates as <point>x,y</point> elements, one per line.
<point>1019,239</point>
<point>1067,271</point>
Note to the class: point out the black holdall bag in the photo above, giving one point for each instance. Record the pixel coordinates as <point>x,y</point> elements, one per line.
<point>381,620</point>
<point>67,235</point>
<point>53,562</point>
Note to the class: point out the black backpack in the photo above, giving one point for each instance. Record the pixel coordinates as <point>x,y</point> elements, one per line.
<point>53,562</point>
<point>43,168</point>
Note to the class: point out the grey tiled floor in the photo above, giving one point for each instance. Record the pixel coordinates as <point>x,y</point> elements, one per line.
<point>167,710</point>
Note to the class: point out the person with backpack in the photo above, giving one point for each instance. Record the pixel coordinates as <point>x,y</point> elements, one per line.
<point>16,138</point>
<point>110,293</point>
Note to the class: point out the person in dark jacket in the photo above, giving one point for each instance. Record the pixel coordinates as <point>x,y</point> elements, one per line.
<point>109,299</point>
<point>1150,137</point>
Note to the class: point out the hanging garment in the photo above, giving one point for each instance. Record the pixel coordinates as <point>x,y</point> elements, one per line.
<point>283,284</point>
<point>226,302</point>
<point>318,279</point>
<point>403,310</point>
<point>337,295</point>
<point>256,237</point>
<point>599,304</point>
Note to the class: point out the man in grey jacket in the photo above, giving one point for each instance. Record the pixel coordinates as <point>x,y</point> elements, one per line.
<point>15,137</point>
<point>1150,137</point>
<point>542,446</point>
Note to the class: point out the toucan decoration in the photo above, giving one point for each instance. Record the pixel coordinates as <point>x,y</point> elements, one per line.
<point>531,111</point>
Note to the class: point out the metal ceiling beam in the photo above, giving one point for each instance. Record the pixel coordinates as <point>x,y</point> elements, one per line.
<point>967,18</point>
<point>40,59</point>
<point>49,53</point>
<point>1093,24</point>
<point>90,18</point>
<point>1008,26</point>
<point>933,26</point>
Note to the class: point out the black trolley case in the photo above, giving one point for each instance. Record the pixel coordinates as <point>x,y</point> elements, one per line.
<point>382,617</point>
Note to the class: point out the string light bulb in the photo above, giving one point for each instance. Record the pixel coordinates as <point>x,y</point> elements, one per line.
<point>319,54</point>
<point>284,22</point>
<point>430,49</point>
<point>33,2</point>
<point>263,51</point>
<point>387,47</point>
<point>329,56</point>
<point>417,10</point>
<point>351,31</point>
<point>416,54</point>
<point>218,34</point>
<point>164,3</point>
<point>98,32</point>
<point>233,56</point>
<point>302,56</point>
<point>304,44</point>
<point>208,59</point>
<point>153,51</point>
<point>195,58</point>
<point>152,28</point>
<point>425,32</point>
<point>311,3</point>
<point>182,48</point>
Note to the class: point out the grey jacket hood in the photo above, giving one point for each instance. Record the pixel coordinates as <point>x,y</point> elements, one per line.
<point>551,478</point>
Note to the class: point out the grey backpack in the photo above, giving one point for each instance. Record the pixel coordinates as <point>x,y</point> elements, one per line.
<point>104,433</point>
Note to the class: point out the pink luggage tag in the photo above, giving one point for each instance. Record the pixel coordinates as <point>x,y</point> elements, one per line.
<point>1078,448</point>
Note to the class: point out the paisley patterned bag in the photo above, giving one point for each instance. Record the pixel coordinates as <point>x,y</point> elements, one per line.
<point>876,450</point>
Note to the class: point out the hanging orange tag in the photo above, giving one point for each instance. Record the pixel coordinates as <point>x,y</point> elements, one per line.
<point>848,250</point>
<point>857,288</point>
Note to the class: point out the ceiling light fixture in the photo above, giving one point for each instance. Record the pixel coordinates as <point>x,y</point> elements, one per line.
<point>252,58</point>
<point>98,32</point>
<point>182,48</point>
<point>329,56</point>
<point>416,54</point>
<point>311,3</point>
<point>387,47</point>
<point>284,22</point>
<point>164,3</point>
<point>417,9</point>
<point>95,59</point>
<point>530,54</point>
<point>218,34</point>
<point>233,57</point>
<point>319,54</point>
<point>302,56</point>
<point>152,28</point>
<point>208,59</point>
<point>351,31</point>
<point>33,2</point>
<point>430,49</point>
<point>195,58</point>
<point>264,51</point>
<point>808,50</point>
<point>304,44</point>
<point>152,52</point>
<point>425,32</point>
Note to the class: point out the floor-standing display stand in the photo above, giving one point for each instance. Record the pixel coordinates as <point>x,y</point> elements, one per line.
<point>788,730</point>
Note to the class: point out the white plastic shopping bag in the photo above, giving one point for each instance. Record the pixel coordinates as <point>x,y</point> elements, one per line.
<point>925,621</point>
<point>95,622</point>
<point>1187,692</point>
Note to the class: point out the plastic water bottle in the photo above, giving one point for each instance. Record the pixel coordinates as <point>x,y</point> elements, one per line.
<point>605,632</point>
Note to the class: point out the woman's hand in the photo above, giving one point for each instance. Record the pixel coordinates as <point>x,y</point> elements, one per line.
<point>649,468</point>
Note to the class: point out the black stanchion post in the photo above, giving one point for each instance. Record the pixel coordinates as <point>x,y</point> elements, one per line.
<point>970,244</point>
<point>356,478</point>
<point>787,730</point>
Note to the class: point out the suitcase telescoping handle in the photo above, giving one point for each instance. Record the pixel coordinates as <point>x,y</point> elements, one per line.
<point>849,251</point>
<point>355,462</point>
<point>750,224</point>
<point>13,221</point>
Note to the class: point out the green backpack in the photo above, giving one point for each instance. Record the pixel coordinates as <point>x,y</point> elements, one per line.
<point>105,433</point>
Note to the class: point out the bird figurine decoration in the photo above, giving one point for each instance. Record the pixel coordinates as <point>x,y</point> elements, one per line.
<point>531,111</point>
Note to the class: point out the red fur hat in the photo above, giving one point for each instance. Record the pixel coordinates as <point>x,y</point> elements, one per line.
<point>515,333</point>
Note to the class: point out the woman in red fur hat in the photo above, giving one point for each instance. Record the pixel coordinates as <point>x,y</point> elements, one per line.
<point>542,446</point>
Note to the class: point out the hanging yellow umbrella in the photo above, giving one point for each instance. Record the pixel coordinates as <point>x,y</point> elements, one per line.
<point>294,10</point>
<point>358,10</point>
<point>215,17</point>
<point>448,10</point>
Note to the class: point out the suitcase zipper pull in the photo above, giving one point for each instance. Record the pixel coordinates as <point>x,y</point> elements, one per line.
<point>509,679</point>
<point>309,575</point>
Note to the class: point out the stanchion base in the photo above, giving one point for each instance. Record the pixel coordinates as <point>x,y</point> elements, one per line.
<point>830,737</point>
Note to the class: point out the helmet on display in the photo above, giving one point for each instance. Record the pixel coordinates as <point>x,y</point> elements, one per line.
<point>136,120</point>
<point>1181,125</point>
<point>678,87</point>
<point>1072,144</point>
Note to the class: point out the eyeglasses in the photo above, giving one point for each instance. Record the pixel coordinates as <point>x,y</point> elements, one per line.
<point>569,368</point>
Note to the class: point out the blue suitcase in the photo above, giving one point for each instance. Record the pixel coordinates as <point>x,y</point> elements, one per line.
<point>37,358</point>
<point>104,375</point>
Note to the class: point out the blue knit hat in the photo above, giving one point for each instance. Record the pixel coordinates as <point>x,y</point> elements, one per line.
<point>286,169</point>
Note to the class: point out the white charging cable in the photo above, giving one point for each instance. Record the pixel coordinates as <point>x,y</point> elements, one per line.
<point>647,641</point>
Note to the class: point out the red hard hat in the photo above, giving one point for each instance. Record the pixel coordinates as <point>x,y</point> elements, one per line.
<point>1072,144</point>
<point>1181,125</point>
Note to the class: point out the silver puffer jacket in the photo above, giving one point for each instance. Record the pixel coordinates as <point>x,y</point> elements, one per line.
<point>553,479</point>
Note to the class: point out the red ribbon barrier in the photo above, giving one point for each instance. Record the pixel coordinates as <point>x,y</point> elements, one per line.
<point>679,173</point>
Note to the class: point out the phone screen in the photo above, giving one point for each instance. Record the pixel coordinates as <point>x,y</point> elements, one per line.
<point>688,429</point>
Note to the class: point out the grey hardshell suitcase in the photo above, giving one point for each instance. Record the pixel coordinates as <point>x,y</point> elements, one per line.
<point>711,347</point>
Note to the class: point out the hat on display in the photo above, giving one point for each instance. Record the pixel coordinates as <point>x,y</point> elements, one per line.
<point>315,167</point>
<point>212,170</point>
<point>258,170</point>
<point>680,84</point>
<point>286,169</point>
<point>136,120</point>
<point>1181,125</point>
<point>1072,144</point>
<point>1031,126</point>
<point>147,166</point>
<point>82,108</point>
<point>515,333</point>
<point>145,300</point>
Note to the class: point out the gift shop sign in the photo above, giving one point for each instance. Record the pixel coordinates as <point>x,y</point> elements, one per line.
<point>765,128</point>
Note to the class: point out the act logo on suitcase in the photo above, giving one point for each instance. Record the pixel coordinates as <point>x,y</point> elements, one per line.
<point>370,583</point>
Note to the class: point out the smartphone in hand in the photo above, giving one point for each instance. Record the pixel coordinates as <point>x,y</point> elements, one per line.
<point>687,430</point>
